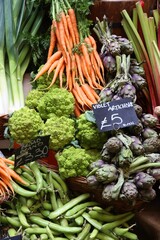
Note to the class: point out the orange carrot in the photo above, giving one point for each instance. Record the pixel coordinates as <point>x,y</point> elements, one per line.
<point>87,90</point>
<point>70,27</point>
<point>16,177</point>
<point>97,97</point>
<point>47,65</point>
<point>78,98</point>
<point>97,57</point>
<point>65,25</point>
<point>52,40</point>
<point>62,42</point>
<point>60,63</point>
<point>83,96</point>
<point>8,161</point>
<point>97,70</point>
<point>61,71</point>
<point>77,111</point>
<point>53,66</point>
<point>69,84</point>
<point>4,172</point>
<point>72,15</point>
<point>78,63</point>
<point>2,184</point>
<point>85,53</point>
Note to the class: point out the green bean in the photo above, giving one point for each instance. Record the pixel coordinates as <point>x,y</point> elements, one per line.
<point>29,177</point>
<point>79,220</point>
<point>107,217</point>
<point>49,232</point>
<point>38,176</point>
<point>77,214</point>
<point>94,233</point>
<point>45,213</point>
<point>64,221</point>
<point>21,191</point>
<point>22,217</point>
<point>68,205</point>
<point>92,221</point>
<point>3,219</point>
<point>30,202</point>
<point>85,231</point>
<point>43,236</point>
<point>79,207</point>
<point>33,237</point>
<point>46,205</point>
<point>13,221</point>
<point>130,235</point>
<point>116,223</point>
<point>54,226</point>
<point>12,212</point>
<point>52,193</point>
<point>59,188</point>
<point>102,236</point>
<point>25,209</point>
<point>12,232</point>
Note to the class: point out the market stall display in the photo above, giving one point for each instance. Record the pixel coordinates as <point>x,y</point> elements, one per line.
<point>87,103</point>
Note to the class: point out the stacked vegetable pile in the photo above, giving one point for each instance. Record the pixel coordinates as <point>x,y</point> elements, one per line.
<point>43,208</point>
<point>128,168</point>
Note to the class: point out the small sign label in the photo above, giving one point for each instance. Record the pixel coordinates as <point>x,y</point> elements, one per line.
<point>36,149</point>
<point>115,114</point>
<point>18,237</point>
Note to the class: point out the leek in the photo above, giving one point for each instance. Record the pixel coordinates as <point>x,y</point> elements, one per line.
<point>20,21</point>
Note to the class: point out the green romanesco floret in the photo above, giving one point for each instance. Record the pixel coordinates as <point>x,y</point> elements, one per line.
<point>56,102</point>
<point>75,162</point>
<point>24,125</point>
<point>33,98</point>
<point>61,131</point>
<point>88,134</point>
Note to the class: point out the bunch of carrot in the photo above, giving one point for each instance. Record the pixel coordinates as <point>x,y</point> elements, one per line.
<point>74,56</point>
<point>7,174</point>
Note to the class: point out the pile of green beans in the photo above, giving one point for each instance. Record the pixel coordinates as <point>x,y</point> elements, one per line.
<point>44,209</point>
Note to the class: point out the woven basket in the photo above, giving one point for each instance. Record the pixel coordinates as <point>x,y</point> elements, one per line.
<point>79,184</point>
<point>3,123</point>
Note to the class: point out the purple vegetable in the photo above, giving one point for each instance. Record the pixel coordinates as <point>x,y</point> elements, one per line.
<point>92,181</point>
<point>109,63</point>
<point>128,91</point>
<point>129,192</point>
<point>144,180</point>
<point>148,120</point>
<point>137,146</point>
<point>149,132</point>
<point>147,195</point>
<point>138,81</point>
<point>97,164</point>
<point>107,174</point>
<point>155,173</point>
<point>113,145</point>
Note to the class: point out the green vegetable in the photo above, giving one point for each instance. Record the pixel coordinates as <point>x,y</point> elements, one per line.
<point>88,134</point>
<point>33,98</point>
<point>19,23</point>
<point>56,102</point>
<point>68,205</point>
<point>74,162</point>
<point>107,173</point>
<point>61,131</point>
<point>24,125</point>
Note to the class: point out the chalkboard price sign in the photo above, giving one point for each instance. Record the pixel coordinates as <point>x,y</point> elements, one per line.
<point>35,150</point>
<point>115,114</point>
<point>18,237</point>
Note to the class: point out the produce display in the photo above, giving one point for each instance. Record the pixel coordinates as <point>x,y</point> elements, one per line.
<point>43,208</point>
<point>120,165</point>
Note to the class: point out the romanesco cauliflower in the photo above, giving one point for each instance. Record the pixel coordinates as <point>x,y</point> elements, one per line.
<point>24,125</point>
<point>56,102</point>
<point>75,162</point>
<point>88,134</point>
<point>61,131</point>
<point>33,98</point>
